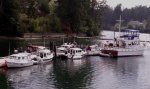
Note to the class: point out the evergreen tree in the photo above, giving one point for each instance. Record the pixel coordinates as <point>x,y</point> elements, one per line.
<point>9,18</point>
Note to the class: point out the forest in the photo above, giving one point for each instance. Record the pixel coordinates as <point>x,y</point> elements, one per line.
<point>137,17</point>
<point>51,16</point>
<point>89,17</point>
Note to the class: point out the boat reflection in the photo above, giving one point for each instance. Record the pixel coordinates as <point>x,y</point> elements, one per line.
<point>29,77</point>
<point>118,71</point>
<point>19,74</point>
<point>72,74</point>
<point>3,79</point>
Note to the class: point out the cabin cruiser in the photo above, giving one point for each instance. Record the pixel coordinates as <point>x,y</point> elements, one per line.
<point>127,44</point>
<point>19,60</point>
<point>62,51</point>
<point>65,46</point>
<point>44,55</point>
<point>39,54</point>
<point>76,53</point>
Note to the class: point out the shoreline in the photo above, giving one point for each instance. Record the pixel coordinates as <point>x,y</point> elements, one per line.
<point>34,38</point>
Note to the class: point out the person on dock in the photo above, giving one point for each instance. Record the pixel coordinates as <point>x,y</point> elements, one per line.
<point>88,48</point>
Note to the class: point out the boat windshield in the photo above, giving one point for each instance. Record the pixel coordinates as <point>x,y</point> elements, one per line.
<point>13,57</point>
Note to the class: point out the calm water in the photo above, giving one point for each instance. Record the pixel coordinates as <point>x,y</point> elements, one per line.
<point>92,72</point>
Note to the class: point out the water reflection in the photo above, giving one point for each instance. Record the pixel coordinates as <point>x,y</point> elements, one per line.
<point>92,72</point>
<point>3,80</point>
<point>117,73</point>
<point>72,74</point>
<point>34,77</point>
<point>127,72</point>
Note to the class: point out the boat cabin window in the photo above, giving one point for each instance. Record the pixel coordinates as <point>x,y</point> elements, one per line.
<point>73,52</point>
<point>12,57</point>
<point>79,50</point>
<point>68,51</point>
<point>44,54</point>
<point>135,33</point>
<point>19,58</point>
<point>23,58</point>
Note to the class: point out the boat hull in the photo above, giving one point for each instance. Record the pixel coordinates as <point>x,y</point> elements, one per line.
<point>93,53</point>
<point>75,56</point>
<point>18,64</point>
<point>123,53</point>
<point>45,59</point>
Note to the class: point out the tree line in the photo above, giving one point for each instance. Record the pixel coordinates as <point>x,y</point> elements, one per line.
<point>137,17</point>
<point>51,16</point>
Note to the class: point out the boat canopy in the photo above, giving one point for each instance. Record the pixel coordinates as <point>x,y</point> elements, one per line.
<point>32,46</point>
<point>129,30</point>
<point>129,34</point>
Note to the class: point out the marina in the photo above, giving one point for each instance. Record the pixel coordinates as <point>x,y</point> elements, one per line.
<point>89,72</point>
<point>74,44</point>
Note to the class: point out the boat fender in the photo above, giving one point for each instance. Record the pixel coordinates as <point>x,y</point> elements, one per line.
<point>4,64</point>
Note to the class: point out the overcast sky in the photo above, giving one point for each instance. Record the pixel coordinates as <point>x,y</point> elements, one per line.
<point>128,3</point>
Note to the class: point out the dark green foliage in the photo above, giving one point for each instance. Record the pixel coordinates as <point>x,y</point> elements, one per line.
<point>55,24</point>
<point>137,13</point>
<point>41,16</point>
<point>82,15</point>
<point>44,8</point>
<point>9,18</point>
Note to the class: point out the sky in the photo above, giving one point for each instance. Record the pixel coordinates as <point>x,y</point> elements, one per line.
<point>128,3</point>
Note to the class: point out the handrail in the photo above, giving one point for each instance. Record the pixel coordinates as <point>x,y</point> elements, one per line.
<point>124,49</point>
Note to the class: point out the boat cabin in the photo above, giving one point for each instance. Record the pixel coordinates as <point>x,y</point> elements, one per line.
<point>75,51</point>
<point>65,46</point>
<point>44,53</point>
<point>34,48</point>
<point>94,47</point>
<point>20,56</point>
<point>128,38</point>
<point>129,34</point>
<point>31,48</point>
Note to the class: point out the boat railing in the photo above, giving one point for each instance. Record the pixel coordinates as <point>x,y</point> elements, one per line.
<point>129,48</point>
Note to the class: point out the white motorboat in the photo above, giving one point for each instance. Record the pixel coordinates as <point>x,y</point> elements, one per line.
<point>62,50</point>
<point>93,50</point>
<point>65,46</point>
<point>36,51</point>
<point>128,44</point>
<point>76,53</point>
<point>19,60</point>
<point>44,56</point>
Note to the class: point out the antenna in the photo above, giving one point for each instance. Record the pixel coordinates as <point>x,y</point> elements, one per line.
<point>120,24</point>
